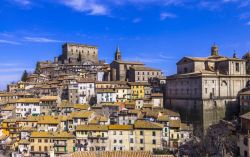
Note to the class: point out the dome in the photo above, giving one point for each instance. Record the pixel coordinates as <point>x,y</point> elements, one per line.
<point>246,56</point>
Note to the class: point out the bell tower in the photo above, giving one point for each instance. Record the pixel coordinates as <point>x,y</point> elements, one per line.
<point>118,56</point>
<point>214,50</point>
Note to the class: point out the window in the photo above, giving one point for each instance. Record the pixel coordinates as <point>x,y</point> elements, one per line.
<point>245,141</point>
<point>237,67</point>
<point>153,133</point>
<point>141,148</point>
<point>245,154</point>
<point>32,148</point>
<point>46,140</point>
<point>114,141</point>
<point>154,141</point>
<point>40,149</point>
<point>131,148</point>
<point>206,90</point>
<point>141,133</point>
<point>39,140</point>
<point>45,149</point>
<point>120,141</point>
<point>131,140</point>
<point>141,140</point>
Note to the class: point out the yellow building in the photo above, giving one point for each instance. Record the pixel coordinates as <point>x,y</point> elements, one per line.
<point>48,123</point>
<point>43,143</point>
<point>148,135</point>
<point>137,90</point>
<point>9,128</point>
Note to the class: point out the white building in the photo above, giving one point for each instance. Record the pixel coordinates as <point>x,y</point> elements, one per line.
<point>106,95</point>
<point>28,106</point>
<point>86,91</point>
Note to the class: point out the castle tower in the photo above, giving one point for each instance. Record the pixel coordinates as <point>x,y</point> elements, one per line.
<point>118,56</point>
<point>214,50</point>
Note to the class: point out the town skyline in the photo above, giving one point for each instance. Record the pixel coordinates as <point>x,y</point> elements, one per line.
<point>155,32</point>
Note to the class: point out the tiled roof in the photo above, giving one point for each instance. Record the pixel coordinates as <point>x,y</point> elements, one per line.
<point>81,106</point>
<point>143,68</point>
<point>49,98</point>
<point>48,120</point>
<point>51,135</point>
<point>8,108</point>
<point>142,124</point>
<point>81,114</point>
<point>174,123</point>
<point>28,100</point>
<point>120,127</point>
<point>92,128</point>
<point>163,118</point>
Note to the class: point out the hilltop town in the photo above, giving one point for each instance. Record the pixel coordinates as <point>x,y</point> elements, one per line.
<point>80,104</point>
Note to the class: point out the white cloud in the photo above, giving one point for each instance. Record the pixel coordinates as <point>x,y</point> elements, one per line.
<point>3,41</point>
<point>23,2</point>
<point>41,40</point>
<point>163,2</point>
<point>166,15</point>
<point>89,6</point>
<point>136,20</point>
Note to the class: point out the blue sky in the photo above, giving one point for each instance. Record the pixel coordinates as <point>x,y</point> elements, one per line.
<point>157,32</point>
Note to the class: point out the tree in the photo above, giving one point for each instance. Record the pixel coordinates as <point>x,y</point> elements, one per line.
<point>24,76</point>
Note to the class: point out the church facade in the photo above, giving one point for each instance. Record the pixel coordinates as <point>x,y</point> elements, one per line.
<point>205,90</point>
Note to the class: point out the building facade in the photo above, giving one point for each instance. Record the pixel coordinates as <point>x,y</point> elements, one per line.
<point>204,90</point>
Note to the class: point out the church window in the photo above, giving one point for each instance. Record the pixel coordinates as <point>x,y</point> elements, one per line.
<point>237,67</point>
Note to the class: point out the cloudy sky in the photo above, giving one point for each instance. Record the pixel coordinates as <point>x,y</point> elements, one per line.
<point>157,32</point>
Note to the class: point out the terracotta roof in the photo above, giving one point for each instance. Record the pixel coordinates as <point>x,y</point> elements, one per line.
<point>8,108</point>
<point>129,62</point>
<point>142,124</point>
<point>186,127</point>
<point>120,127</point>
<point>29,119</point>
<point>49,98</point>
<point>163,118</point>
<point>48,120</point>
<point>174,123</point>
<point>81,114</point>
<point>92,128</point>
<point>51,135</point>
<point>143,68</point>
<point>28,100</point>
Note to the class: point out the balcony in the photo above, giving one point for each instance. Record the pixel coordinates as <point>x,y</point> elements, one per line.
<point>60,144</point>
